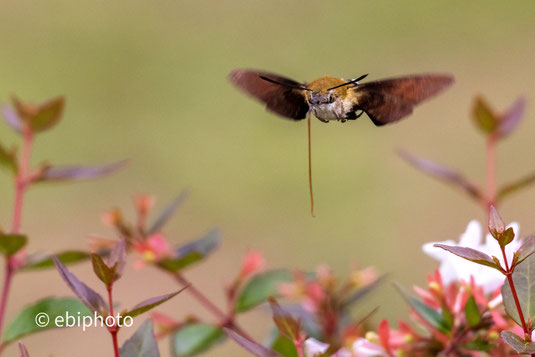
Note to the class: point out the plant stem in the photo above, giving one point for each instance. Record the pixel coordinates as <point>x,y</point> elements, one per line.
<point>509,275</point>
<point>491,172</point>
<point>20,188</point>
<point>224,319</point>
<point>114,329</point>
<point>299,347</point>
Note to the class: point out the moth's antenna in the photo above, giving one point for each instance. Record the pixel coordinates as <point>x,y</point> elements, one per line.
<point>354,81</point>
<point>310,167</point>
<point>284,84</point>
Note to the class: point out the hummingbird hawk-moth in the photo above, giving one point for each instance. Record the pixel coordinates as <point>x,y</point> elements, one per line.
<point>333,99</point>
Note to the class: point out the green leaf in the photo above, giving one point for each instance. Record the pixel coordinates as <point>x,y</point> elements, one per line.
<point>40,117</point>
<point>284,346</point>
<point>11,243</point>
<point>429,314</point>
<point>105,273</point>
<point>25,322</point>
<point>484,117</point>
<point>35,262</point>
<point>168,212</point>
<point>142,343</point>
<point>470,254</point>
<point>48,115</point>
<point>507,237</point>
<point>478,345</point>
<point>192,252</point>
<point>193,339</point>
<point>442,173</point>
<point>260,288</point>
<point>251,346</point>
<point>473,317</point>
<point>524,282</point>
<point>517,343</point>
<point>8,160</point>
<point>151,303</point>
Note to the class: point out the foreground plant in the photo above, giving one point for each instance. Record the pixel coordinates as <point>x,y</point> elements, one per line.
<point>109,271</point>
<point>29,120</point>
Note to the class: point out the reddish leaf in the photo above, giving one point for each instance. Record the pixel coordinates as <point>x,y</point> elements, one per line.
<point>117,258</point>
<point>510,120</point>
<point>251,346</point>
<point>151,303</point>
<point>470,254</point>
<point>527,249</point>
<point>142,343</point>
<point>88,296</point>
<point>12,119</point>
<point>168,212</point>
<point>23,352</point>
<point>286,324</point>
<point>515,186</point>
<point>442,173</point>
<point>496,224</point>
<point>64,173</point>
<point>517,343</point>
<point>40,117</point>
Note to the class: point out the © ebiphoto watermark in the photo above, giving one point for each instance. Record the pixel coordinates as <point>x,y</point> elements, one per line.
<point>84,321</point>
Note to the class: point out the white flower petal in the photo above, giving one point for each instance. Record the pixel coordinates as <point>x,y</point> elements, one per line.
<point>454,268</point>
<point>314,347</point>
<point>472,236</point>
<point>364,348</point>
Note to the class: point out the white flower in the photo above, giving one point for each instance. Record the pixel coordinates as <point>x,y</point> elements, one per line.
<point>364,348</point>
<point>314,347</point>
<point>454,268</point>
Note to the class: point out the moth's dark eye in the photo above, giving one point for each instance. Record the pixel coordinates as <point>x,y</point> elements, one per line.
<point>330,98</point>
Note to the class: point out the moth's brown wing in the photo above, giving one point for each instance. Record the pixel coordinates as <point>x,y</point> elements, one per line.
<point>285,101</point>
<point>390,100</point>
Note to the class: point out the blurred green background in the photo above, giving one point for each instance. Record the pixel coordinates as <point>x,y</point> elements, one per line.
<point>147,80</point>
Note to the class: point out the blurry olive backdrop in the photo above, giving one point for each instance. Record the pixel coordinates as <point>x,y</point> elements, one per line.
<point>147,80</point>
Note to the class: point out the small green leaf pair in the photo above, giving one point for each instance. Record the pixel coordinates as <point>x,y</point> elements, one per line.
<point>492,123</point>
<point>36,118</point>
<point>108,272</point>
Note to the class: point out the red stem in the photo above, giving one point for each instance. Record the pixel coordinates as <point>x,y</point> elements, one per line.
<point>20,188</point>
<point>491,172</point>
<point>114,329</point>
<point>224,319</point>
<point>299,348</point>
<point>509,275</point>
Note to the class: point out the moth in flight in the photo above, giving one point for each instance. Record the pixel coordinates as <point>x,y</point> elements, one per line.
<point>332,99</point>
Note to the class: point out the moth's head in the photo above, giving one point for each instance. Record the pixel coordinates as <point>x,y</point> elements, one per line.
<point>327,89</point>
<point>319,90</point>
